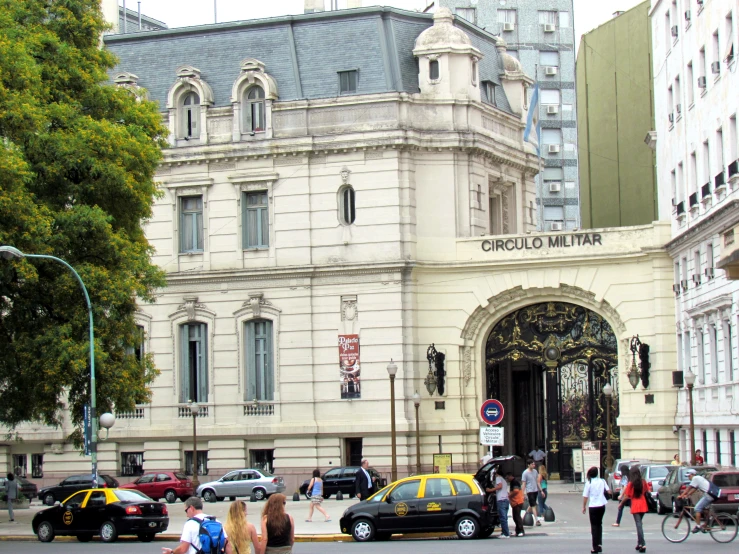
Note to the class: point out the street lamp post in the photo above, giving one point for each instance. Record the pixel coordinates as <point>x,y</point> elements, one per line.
<point>9,252</point>
<point>608,392</point>
<point>194,408</point>
<point>392,369</point>
<point>690,381</point>
<point>417,403</point>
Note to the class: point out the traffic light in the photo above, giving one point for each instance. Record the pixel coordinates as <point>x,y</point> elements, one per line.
<point>644,364</point>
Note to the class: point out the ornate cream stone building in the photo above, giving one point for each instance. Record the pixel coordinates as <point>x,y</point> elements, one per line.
<point>377,196</point>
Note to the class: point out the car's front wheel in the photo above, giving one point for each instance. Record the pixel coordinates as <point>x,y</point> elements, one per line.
<point>108,532</point>
<point>467,527</point>
<point>209,496</point>
<point>170,496</point>
<point>259,494</point>
<point>363,530</point>
<point>45,532</point>
<point>49,500</point>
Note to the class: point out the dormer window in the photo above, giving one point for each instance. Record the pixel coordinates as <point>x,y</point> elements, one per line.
<point>348,82</point>
<point>254,110</point>
<point>190,125</point>
<point>434,70</point>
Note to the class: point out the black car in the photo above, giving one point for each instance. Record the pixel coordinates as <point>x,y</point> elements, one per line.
<point>342,479</point>
<point>105,512</point>
<point>73,484</point>
<point>25,487</point>
<point>422,504</point>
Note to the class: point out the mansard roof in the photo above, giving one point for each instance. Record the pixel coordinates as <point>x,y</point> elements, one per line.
<point>303,53</point>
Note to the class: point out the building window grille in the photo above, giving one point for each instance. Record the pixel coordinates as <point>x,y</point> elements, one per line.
<point>256,219</point>
<point>191,224</point>
<point>348,81</point>
<point>260,382</point>
<point>37,466</point>
<point>254,110</point>
<point>132,464</point>
<point>202,462</point>
<point>194,362</point>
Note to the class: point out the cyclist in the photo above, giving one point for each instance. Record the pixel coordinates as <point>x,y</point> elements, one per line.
<point>698,483</point>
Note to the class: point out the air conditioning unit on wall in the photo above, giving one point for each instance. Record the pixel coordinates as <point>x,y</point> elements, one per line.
<point>557,226</point>
<point>550,28</point>
<point>555,187</point>
<point>553,148</point>
<point>509,26</point>
<point>553,109</point>
<point>550,70</point>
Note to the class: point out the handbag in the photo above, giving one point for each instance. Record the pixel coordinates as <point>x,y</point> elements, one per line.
<point>651,502</point>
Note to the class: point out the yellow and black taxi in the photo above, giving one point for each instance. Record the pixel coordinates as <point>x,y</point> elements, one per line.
<point>422,504</point>
<point>105,512</point>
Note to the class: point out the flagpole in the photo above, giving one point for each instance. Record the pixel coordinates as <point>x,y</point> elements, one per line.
<point>215,11</point>
<point>540,186</point>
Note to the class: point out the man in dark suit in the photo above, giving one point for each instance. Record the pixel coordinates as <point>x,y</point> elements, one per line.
<point>363,485</point>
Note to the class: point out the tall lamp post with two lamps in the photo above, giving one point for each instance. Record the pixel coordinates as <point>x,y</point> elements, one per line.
<point>689,382</point>
<point>392,369</point>
<point>107,420</point>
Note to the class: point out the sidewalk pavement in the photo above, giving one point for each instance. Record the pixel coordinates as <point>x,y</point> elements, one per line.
<point>317,530</point>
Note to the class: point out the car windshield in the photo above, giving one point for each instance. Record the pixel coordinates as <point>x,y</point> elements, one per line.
<point>130,495</point>
<point>377,497</point>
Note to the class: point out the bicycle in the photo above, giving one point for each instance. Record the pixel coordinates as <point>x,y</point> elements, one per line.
<point>677,527</point>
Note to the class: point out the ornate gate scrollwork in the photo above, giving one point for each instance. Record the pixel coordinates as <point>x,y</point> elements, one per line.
<point>580,351</point>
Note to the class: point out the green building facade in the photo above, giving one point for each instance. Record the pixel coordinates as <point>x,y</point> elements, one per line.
<point>615,113</point>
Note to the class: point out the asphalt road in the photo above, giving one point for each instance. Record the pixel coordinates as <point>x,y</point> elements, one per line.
<point>617,542</point>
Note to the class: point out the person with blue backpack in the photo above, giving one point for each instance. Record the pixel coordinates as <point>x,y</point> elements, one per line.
<point>202,534</point>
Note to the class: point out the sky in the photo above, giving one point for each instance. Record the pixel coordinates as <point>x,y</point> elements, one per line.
<point>182,13</point>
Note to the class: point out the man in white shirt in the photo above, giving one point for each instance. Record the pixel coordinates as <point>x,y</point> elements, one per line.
<point>698,483</point>
<point>501,498</point>
<point>190,539</point>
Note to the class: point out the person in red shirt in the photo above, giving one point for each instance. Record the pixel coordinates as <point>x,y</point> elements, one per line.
<point>698,458</point>
<point>636,491</point>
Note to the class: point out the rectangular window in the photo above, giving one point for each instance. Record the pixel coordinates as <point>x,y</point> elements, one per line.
<point>255,208</point>
<point>702,72</point>
<point>548,18</point>
<point>433,69</point>
<point>260,383</point>
<point>551,136</point>
<point>564,20</point>
<point>469,14</point>
<point>37,466</point>
<point>554,213</point>
<point>680,179</point>
<point>132,463</point>
<point>693,172</point>
<point>489,88</point>
<point>706,163</point>
<point>194,362</point>
<point>680,360</point>
<point>348,81</point>
<point>262,459</point>
<point>20,465</point>
<point>549,59</point>
<point>673,183</point>
<point>728,351</point>
<point>733,152</point>
<point>716,48</point>
<point>691,85</point>
<point>700,343</point>
<point>704,436</point>
<point>697,262</point>
<point>671,105</point>
<point>729,38</point>
<point>506,16</point>
<point>686,351</point>
<point>678,96</point>
<point>202,462</point>
<point>709,254</point>
<point>732,440</point>
<point>713,346</point>
<point>720,163</point>
<point>550,97</point>
<point>191,224</point>
<point>718,447</point>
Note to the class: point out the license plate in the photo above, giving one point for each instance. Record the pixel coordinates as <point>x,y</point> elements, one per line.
<point>736,497</point>
<point>152,524</point>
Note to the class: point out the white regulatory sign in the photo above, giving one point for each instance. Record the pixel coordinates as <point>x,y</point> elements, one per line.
<point>491,436</point>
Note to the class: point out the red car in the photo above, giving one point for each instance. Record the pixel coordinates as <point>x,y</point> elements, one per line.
<point>169,485</point>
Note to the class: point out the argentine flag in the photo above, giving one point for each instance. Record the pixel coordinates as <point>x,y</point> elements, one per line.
<point>533,107</point>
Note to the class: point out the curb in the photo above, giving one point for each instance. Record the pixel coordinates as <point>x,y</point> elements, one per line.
<point>176,538</point>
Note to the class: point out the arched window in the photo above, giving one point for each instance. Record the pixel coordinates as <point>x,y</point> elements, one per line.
<point>190,116</point>
<point>254,110</point>
<point>347,212</point>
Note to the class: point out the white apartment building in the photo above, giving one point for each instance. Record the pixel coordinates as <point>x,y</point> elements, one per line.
<point>696,100</point>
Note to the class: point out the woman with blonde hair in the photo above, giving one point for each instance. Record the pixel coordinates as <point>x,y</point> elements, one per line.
<point>241,534</point>
<point>278,527</point>
<point>543,493</point>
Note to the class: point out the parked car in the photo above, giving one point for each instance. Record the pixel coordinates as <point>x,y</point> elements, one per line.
<point>72,484</point>
<point>422,504</point>
<point>242,482</point>
<point>618,478</point>
<point>342,479</point>
<point>512,464</point>
<point>654,473</point>
<point>169,485</point>
<point>105,512</point>
<point>675,483</point>
<point>25,487</point>
<point>728,482</point>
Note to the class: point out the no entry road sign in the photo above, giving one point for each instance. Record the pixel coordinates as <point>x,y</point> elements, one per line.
<point>492,411</point>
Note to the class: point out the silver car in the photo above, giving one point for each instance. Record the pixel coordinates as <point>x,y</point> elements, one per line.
<point>654,473</point>
<point>241,482</point>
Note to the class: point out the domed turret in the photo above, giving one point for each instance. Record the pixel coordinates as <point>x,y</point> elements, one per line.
<point>447,61</point>
<point>513,78</point>
<point>510,64</point>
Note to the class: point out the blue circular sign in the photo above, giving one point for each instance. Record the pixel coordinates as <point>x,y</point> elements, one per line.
<point>492,411</point>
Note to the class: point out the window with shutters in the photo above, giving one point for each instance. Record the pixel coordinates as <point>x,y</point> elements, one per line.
<point>190,116</point>
<point>253,110</point>
<point>191,224</point>
<point>259,364</point>
<point>255,207</point>
<point>506,16</point>
<point>193,362</point>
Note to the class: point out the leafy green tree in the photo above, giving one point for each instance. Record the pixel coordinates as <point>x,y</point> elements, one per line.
<point>77,160</point>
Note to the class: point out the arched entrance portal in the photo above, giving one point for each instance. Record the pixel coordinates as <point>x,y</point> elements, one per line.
<point>557,402</point>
